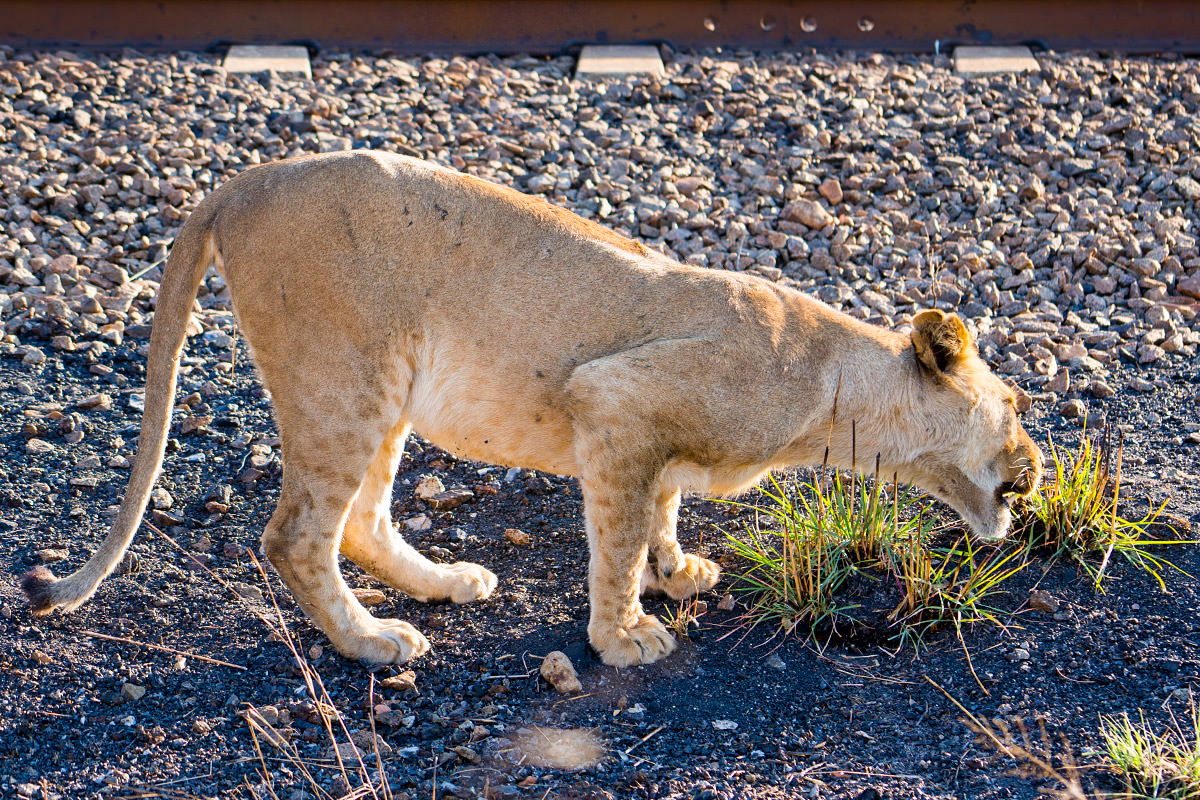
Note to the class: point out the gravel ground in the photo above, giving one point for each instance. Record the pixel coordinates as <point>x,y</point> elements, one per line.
<point>1058,212</point>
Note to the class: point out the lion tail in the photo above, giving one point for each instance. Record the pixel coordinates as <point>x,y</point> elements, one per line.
<point>194,249</point>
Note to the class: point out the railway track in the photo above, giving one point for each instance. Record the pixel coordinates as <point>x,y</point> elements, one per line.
<point>548,26</point>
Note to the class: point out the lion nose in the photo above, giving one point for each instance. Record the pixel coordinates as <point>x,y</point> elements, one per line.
<point>1028,479</point>
<point>1034,473</point>
<point>1025,481</point>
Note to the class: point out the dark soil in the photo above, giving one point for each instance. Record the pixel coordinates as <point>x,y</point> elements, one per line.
<point>854,721</point>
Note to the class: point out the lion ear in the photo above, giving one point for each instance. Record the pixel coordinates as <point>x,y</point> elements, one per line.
<point>941,340</point>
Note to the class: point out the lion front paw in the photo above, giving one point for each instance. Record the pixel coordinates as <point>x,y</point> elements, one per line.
<point>467,582</point>
<point>644,643</point>
<point>385,641</point>
<point>693,576</point>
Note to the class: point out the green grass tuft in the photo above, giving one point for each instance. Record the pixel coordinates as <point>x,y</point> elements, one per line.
<point>809,539</point>
<point>1075,512</point>
<point>811,542</point>
<point>956,586</point>
<point>1153,765</point>
<point>808,542</point>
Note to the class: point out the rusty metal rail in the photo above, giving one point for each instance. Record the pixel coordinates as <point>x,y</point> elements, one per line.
<point>547,26</point>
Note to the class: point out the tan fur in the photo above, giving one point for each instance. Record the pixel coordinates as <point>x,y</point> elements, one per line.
<point>380,294</point>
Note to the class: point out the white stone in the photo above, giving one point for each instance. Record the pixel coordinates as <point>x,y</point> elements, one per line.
<point>286,60</point>
<point>420,522</point>
<point>604,60</point>
<point>429,486</point>
<point>991,60</point>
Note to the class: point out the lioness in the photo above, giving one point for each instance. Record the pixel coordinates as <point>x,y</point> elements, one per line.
<point>380,294</point>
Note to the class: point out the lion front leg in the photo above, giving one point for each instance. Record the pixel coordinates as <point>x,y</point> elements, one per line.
<point>619,517</point>
<point>669,570</point>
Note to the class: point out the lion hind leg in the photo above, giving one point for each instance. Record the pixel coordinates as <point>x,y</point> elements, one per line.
<point>372,541</point>
<point>330,438</point>
<point>301,541</point>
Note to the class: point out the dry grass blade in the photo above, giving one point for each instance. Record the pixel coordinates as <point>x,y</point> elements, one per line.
<point>1033,758</point>
<point>356,776</point>
<point>163,649</point>
<point>684,616</point>
<point>339,737</point>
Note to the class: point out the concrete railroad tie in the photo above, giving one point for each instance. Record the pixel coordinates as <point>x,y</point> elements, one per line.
<point>289,60</point>
<point>607,61</point>
<point>991,60</point>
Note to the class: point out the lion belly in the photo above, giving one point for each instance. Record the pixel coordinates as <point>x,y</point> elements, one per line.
<point>483,412</point>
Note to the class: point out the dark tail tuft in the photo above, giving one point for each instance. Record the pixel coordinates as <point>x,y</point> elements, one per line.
<point>36,584</point>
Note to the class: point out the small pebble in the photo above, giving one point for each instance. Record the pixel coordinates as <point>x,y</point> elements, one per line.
<point>831,190</point>
<point>451,499</point>
<point>420,522</point>
<point>404,681</point>
<point>560,673</point>
<point>809,213</point>
<point>248,591</point>
<point>132,692</point>
<point>518,537</point>
<point>38,447</point>
<point>1040,600</point>
<point>370,597</point>
<point>161,499</point>
<point>428,487</point>
<point>1072,409</point>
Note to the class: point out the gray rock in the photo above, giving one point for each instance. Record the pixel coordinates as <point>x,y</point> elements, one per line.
<point>1072,409</point>
<point>37,447</point>
<point>1073,167</point>
<point>161,499</point>
<point>1188,187</point>
<point>132,692</point>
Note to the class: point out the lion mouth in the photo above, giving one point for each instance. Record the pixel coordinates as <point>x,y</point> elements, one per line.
<point>1006,496</point>
<point>995,528</point>
<point>1023,485</point>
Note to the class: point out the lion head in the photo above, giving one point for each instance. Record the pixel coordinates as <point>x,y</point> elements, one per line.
<point>978,458</point>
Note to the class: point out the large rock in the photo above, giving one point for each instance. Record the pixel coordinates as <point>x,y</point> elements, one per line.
<point>807,212</point>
